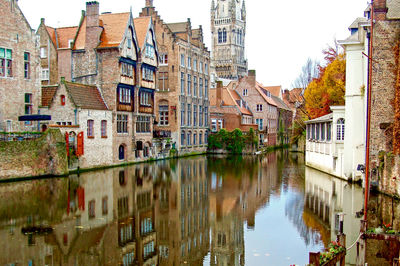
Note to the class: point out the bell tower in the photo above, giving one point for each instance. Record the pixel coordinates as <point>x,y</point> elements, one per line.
<point>228,31</point>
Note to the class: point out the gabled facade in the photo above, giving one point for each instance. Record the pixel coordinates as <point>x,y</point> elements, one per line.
<point>264,109</point>
<point>182,104</point>
<point>107,53</point>
<point>228,31</point>
<point>76,108</point>
<point>55,52</point>
<point>19,69</point>
<point>147,77</point>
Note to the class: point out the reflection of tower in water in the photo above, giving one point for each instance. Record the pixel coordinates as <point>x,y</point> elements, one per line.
<point>182,208</point>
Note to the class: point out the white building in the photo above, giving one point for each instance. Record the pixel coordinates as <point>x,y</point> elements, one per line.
<point>78,108</point>
<point>340,151</point>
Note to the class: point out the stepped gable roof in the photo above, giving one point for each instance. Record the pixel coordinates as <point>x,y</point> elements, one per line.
<point>141,28</point>
<point>113,24</point>
<point>85,96</point>
<point>48,93</point>
<point>65,34</point>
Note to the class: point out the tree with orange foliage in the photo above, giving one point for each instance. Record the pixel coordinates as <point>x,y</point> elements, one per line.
<point>329,87</point>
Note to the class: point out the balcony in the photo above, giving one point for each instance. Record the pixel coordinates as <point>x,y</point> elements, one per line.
<point>159,134</point>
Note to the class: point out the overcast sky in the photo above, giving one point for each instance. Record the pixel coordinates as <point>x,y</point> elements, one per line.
<point>281,34</point>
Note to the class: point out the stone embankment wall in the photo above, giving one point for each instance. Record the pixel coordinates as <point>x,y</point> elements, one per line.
<point>43,156</point>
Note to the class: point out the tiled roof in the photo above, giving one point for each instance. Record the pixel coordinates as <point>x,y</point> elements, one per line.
<point>274,90</point>
<point>260,89</point>
<point>64,35</point>
<point>230,98</point>
<point>280,104</point>
<point>48,93</point>
<point>141,28</point>
<point>85,96</point>
<point>177,27</point>
<point>114,26</point>
<point>52,33</point>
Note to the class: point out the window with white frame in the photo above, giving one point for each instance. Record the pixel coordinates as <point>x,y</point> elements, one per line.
<point>44,75</point>
<point>145,98</point>
<point>6,62</point>
<point>221,123</point>
<point>43,52</point>
<point>163,83</point>
<point>214,125</point>
<point>126,69</point>
<point>340,129</point>
<point>189,63</point>
<point>200,67</point>
<point>164,115</point>
<point>259,107</point>
<point>195,64</point>
<point>182,60</point>
<point>163,59</point>
<point>124,95</point>
<point>147,74</point>
<point>149,50</point>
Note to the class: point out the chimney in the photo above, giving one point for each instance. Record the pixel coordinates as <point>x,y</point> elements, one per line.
<point>42,21</point>
<point>380,9</point>
<point>252,77</point>
<point>219,93</point>
<point>92,14</point>
<point>93,29</point>
<point>149,3</point>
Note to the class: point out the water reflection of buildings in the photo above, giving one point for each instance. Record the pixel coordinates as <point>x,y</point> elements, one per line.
<point>99,218</point>
<point>326,197</point>
<point>182,208</point>
<point>235,196</point>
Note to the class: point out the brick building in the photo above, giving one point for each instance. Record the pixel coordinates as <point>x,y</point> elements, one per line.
<point>19,69</point>
<point>182,105</point>
<point>385,96</point>
<point>55,52</point>
<point>106,52</point>
<point>228,110</point>
<point>259,101</point>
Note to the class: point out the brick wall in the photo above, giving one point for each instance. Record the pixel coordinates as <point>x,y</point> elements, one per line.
<point>16,34</point>
<point>43,156</point>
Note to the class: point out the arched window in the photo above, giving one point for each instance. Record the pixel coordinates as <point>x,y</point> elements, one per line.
<point>224,35</point>
<point>340,129</point>
<point>219,36</point>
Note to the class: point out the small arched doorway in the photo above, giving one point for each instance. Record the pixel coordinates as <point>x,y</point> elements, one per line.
<point>121,152</point>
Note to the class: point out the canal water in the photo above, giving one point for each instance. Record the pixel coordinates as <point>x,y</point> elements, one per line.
<point>205,210</point>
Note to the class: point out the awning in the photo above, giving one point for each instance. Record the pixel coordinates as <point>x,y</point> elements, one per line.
<point>34,118</point>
